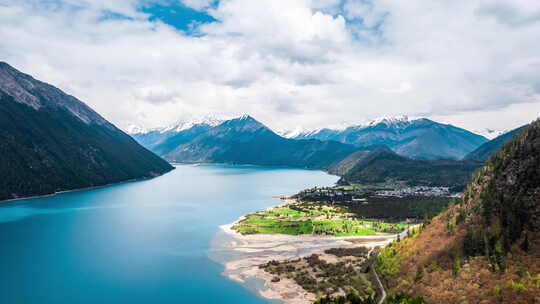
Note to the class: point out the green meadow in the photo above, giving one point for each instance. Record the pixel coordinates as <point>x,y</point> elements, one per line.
<point>315,219</point>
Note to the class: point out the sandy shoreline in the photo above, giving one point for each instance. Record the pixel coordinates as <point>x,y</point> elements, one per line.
<point>250,251</point>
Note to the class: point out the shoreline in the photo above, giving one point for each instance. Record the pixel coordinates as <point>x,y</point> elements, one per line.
<point>250,251</point>
<point>83,189</point>
<point>175,163</point>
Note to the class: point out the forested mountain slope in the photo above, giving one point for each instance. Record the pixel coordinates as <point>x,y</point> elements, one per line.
<point>51,141</point>
<point>485,248</point>
<point>383,165</point>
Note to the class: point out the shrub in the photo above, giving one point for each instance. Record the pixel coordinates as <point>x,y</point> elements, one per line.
<point>517,286</point>
<point>419,274</point>
<point>402,298</point>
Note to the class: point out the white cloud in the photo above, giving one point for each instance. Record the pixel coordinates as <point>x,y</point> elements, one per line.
<point>198,4</point>
<point>301,62</point>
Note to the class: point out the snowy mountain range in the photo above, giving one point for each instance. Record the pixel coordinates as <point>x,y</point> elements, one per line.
<point>415,138</point>
<point>301,132</point>
<point>244,140</point>
<point>178,126</point>
<point>165,139</point>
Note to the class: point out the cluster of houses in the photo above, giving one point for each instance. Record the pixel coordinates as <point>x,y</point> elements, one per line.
<point>332,194</point>
<point>329,192</point>
<point>416,191</point>
<point>345,195</point>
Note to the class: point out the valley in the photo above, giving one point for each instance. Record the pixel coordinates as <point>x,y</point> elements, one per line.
<point>193,140</point>
<point>396,211</point>
<point>244,140</point>
<point>269,152</point>
<point>446,257</point>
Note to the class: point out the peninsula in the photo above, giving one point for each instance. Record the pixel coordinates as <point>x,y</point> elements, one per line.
<point>312,252</point>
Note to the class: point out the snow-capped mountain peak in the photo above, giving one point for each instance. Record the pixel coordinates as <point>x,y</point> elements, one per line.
<point>135,129</point>
<point>490,133</point>
<point>186,124</point>
<point>244,117</point>
<point>300,131</point>
<point>178,126</point>
<point>390,121</point>
<point>292,133</point>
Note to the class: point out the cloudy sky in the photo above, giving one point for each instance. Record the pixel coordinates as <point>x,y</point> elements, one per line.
<point>473,63</point>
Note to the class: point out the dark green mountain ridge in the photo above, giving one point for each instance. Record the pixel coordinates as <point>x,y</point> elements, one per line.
<point>489,148</point>
<point>384,165</point>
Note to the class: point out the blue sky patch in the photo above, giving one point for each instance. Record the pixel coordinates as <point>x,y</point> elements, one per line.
<point>177,15</point>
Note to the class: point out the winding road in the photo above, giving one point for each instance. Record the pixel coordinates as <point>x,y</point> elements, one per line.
<point>381,286</point>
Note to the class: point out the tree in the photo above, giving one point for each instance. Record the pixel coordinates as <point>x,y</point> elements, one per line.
<point>456,265</point>
<point>498,255</point>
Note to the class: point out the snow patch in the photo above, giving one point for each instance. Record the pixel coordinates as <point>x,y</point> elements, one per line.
<point>490,133</point>
<point>178,126</point>
<point>391,121</point>
<point>292,133</point>
<point>397,122</point>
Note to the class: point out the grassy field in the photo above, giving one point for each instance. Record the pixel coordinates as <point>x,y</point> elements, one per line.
<point>313,218</point>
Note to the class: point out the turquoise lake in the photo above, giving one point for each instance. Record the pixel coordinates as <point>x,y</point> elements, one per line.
<point>139,242</point>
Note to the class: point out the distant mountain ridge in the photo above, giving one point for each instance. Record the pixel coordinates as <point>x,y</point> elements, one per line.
<point>489,148</point>
<point>51,141</point>
<point>163,140</point>
<point>418,138</point>
<point>179,126</point>
<point>244,140</point>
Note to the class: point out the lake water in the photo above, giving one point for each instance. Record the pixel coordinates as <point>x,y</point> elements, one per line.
<point>141,242</point>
